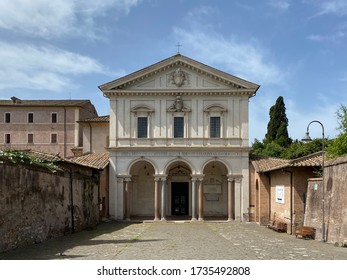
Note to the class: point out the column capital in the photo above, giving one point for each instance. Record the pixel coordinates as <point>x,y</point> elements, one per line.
<point>157,177</point>
<point>235,177</point>
<point>197,177</point>
<point>127,178</point>
<point>123,177</point>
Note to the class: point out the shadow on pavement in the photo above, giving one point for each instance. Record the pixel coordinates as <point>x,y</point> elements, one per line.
<point>56,248</point>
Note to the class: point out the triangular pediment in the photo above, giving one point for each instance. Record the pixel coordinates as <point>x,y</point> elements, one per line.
<point>179,73</point>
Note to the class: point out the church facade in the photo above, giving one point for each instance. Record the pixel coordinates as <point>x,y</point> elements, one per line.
<point>178,142</point>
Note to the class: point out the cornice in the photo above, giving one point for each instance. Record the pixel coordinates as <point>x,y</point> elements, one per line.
<point>189,92</point>
<point>180,149</point>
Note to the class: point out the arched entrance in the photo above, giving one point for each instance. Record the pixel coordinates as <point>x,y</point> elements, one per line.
<point>141,193</point>
<point>179,189</point>
<point>215,192</point>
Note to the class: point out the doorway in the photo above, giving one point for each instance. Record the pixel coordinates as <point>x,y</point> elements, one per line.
<point>179,198</point>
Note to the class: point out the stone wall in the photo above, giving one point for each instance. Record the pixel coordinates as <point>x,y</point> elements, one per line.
<point>335,174</point>
<point>35,204</point>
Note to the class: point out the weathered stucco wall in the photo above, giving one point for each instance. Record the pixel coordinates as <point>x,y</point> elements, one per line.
<point>35,204</point>
<point>335,178</point>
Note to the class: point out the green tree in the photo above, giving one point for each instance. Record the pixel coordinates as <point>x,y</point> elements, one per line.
<point>338,147</point>
<point>277,128</point>
<point>341,115</point>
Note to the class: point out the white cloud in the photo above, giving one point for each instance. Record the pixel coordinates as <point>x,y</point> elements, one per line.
<point>338,7</point>
<point>47,19</point>
<point>334,37</point>
<point>282,5</point>
<point>329,7</point>
<point>45,68</point>
<point>243,59</point>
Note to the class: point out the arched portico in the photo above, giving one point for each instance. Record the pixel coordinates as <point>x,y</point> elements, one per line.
<point>182,191</point>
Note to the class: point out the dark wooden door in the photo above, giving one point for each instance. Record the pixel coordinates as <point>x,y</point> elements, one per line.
<point>179,198</point>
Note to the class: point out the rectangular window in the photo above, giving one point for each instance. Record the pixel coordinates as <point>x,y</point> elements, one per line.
<point>7,138</point>
<point>214,127</point>
<point>54,117</point>
<point>142,127</point>
<point>54,138</point>
<point>30,138</point>
<point>178,127</point>
<point>7,117</point>
<point>30,117</point>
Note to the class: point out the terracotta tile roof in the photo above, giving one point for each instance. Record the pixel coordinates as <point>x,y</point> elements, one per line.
<point>94,160</point>
<point>263,163</point>
<point>97,119</point>
<point>310,160</point>
<point>46,103</point>
<point>266,164</point>
<point>43,156</point>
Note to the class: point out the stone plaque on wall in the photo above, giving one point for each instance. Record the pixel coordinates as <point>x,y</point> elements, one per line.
<point>214,189</point>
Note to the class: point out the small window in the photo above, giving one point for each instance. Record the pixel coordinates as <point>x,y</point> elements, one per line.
<point>30,117</point>
<point>7,117</point>
<point>30,138</point>
<point>142,127</point>
<point>54,138</point>
<point>178,127</point>
<point>7,138</point>
<point>214,127</point>
<point>54,117</point>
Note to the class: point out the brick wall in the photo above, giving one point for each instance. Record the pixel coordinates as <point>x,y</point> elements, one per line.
<point>35,204</point>
<point>335,174</point>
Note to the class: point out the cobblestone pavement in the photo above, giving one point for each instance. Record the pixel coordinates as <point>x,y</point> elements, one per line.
<point>179,241</point>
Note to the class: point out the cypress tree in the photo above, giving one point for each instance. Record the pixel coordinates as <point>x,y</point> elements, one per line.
<point>277,127</point>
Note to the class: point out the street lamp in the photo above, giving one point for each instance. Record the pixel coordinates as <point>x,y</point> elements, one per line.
<point>306,139</point>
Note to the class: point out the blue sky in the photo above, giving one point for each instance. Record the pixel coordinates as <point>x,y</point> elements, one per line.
<point>66,49</point>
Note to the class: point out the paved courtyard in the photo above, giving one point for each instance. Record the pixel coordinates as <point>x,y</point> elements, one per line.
<point>179,241</point>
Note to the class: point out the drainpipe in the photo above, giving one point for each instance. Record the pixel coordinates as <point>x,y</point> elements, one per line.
<point>291,200</point>
<point>71,202</point>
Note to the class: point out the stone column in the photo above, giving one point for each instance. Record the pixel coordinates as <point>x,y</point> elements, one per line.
<point>201,201</point>
<point>163,199</point>
<point>156,199</point>
<point>231,188</point>
<point>194,180</point>
<point>238,198</point>
<point>127,198</point>
<point>120,199</point>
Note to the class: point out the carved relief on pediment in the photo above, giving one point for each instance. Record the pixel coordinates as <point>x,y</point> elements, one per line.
<point>178,78</point>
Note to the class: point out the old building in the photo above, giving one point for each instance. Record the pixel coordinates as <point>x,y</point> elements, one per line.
<point>278,188</point>
<point>178,142</point>
<point>95,134</point>
<point>49,126</point>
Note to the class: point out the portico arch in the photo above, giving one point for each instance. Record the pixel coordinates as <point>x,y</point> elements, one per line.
<point>179,193</point>
<point>215,189</point>
<point>140,196</point>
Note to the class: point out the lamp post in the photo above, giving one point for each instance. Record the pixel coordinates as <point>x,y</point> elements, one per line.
<point>306,139</point>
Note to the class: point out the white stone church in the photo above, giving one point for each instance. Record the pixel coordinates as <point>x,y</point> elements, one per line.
<point>179,142</point>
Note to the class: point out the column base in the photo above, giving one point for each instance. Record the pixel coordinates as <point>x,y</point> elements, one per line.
<point>193,220</point>
<point>201,219</point>
<point>156,219</point>
<point>163,219</point>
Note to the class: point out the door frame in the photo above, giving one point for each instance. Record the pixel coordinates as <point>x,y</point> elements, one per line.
<point>185,187</point>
